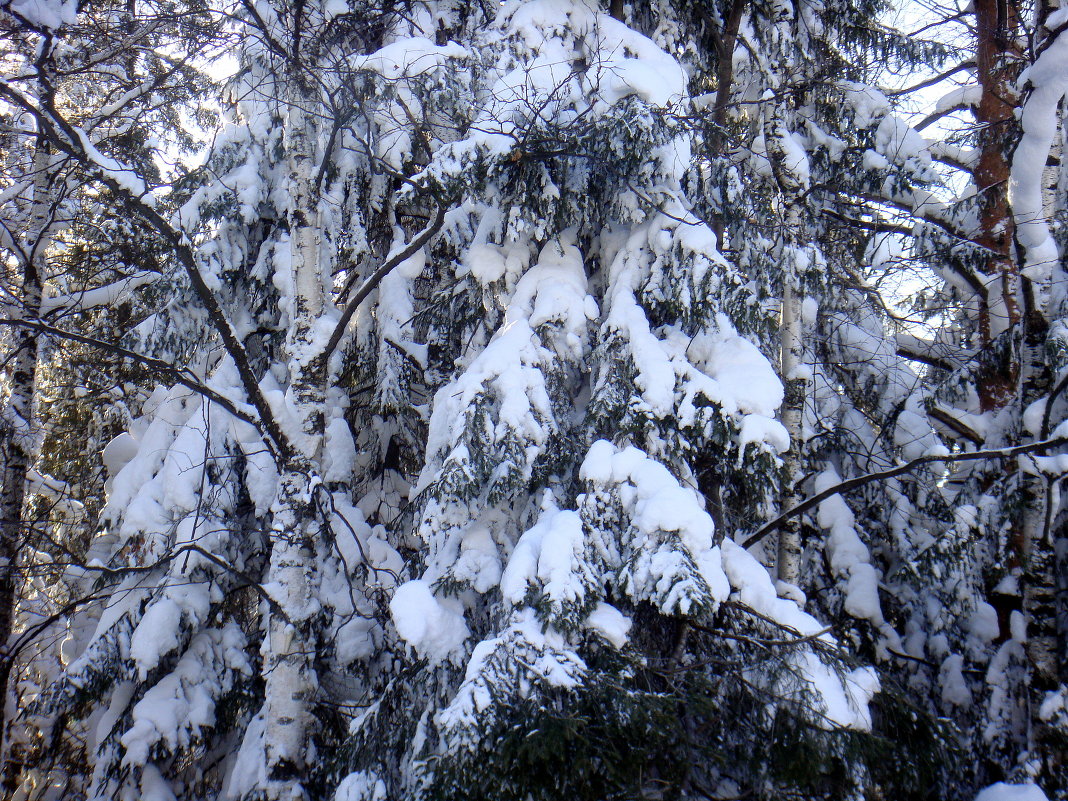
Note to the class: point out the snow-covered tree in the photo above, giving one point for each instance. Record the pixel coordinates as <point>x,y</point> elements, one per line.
<point>526,402</point>
<point>69,274</point>
<point>941,341</point>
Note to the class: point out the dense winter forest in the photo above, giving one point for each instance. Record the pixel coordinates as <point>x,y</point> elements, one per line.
<point>560,400</point>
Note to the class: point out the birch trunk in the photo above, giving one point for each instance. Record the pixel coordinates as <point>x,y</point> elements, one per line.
<point>791,346</point>
<point>1037,547</point>
<point>790,343</point>
<point>18,437</point>
<point>290,674</point>
<point>1017,373</point>
<point>1043,553</point>
<point>1060,598</point>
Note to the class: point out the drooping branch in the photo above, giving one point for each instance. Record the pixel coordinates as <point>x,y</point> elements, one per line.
<point>923,215</point>
<point>937,353</point>
<point>191,547</point>
<point>924,358</point>
<point>964,65</point>
<point>957,426</point>
<point>935,116</point>
<point>177,374</point>
<point>876,226</point>
<point>1048,410</point>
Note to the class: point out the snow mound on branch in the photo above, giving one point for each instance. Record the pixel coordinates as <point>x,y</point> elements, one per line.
<point>408,58</point>
<point>249,769</point>
<point>434,627</point>
<point>549,553</point>
<point>610,623</point>
<point>361,786</point>
<point>748,380</point>
<point>107,295</point>
<point>755,588</point>
<point>156,634</point>
<point>867,103</point>
<point>670,556</point>
<point>677,371</point>
<point>118,453</point>
<point>512,369</point>
<point>845,697</point>
<point>46,13</point>
<point>182,703</point>
<point>847,553</point>
<point>566,59</point>
<point>622,61</point>
<point>1012,792</point>
<point>523,655</point>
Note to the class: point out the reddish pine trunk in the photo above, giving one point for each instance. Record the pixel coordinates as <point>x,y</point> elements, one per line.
<point>998,61</point>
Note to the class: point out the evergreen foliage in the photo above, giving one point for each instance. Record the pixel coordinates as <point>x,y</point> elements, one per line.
<point>529,400</point>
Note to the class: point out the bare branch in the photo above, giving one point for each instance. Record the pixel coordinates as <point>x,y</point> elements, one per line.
<point>376,277</point>
<point>907,467</point>
<point>964,65</point>
<point>177,374</point>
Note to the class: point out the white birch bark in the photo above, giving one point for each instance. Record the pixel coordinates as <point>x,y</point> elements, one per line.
<point>17,431</point>
<point>790,344</point>
<point>1033,207</point>
<point>291,681</point>
<point>790,181</point>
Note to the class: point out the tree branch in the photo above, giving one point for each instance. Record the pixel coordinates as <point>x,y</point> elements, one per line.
<point>868,478</point>
<point>67,139</point>
<point>964,65</point>
<point>876,226</point>
<point>376,277</point>
<point>177,374</point>
<point>956,426</point>
<point>937,115</point>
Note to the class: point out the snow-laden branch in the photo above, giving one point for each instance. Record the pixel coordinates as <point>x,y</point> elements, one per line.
<point>907,467</point>
<point>107,295</point>
<point>937,352</point>
<point>956,425</point>
<point>56,491</point>
<point>1048,80</point>
<point>924,209</point>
